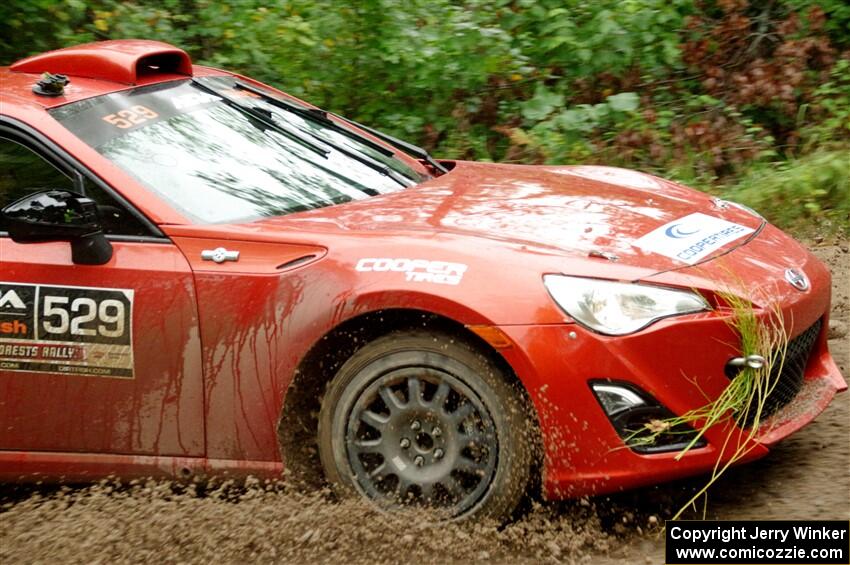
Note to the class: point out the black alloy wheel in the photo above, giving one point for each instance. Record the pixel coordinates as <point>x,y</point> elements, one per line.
<point>420,419</point>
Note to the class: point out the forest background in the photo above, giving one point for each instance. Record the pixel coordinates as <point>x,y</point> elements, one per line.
<point>747,99</point>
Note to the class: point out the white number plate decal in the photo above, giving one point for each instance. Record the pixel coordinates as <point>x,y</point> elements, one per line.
<point>66,330</point>
<point>691,238</point>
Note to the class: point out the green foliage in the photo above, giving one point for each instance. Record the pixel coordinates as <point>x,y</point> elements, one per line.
<point>608,36</point>
<point>813,188</point>
<point>829,119</point>
<point>32,26</point>
<point>836,13</point>
<point>561,133</point>
<point>700,90</point>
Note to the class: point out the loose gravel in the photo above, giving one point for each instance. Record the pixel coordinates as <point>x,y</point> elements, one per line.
<point>805,477</point>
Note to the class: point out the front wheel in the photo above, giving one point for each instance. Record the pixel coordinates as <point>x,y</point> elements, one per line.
<point>421,419</point>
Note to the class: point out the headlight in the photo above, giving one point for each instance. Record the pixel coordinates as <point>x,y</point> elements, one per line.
<point>619,308</point>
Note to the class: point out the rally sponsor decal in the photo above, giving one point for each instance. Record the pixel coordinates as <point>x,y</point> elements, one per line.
<point>692,238</point>
<point>66,330</point>
<point>415,270</point>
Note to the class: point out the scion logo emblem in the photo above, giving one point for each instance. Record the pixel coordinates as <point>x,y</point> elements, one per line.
<point>797,279</point>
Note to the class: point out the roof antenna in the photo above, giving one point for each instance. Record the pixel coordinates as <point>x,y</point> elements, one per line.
<point>51,85</point>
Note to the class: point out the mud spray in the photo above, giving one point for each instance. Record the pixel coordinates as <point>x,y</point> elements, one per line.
<point>148,521</point>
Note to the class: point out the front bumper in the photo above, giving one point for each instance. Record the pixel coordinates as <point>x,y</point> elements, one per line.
<point>679,361</point>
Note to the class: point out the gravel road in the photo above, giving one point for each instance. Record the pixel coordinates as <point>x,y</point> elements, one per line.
<point>806,477</point>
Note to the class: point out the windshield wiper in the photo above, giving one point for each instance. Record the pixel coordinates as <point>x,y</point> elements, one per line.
<point>321,116</point>
<point>262,118</point>
<point>405,146</point>
<point>315,115</point>
<point>267,118</point>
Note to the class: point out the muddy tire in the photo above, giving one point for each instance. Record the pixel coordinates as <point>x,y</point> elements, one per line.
<point>417,418</point>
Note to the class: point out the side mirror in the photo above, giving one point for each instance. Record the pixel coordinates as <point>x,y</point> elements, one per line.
<point>59,215</point>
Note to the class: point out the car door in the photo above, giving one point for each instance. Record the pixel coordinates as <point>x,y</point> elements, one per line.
<point>94,358</point>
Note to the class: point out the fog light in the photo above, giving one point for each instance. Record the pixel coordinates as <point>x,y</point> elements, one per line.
<point>630,409</point>
<point>615,398</point>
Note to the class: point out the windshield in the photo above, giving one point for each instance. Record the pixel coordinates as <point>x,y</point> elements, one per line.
<point>219,163</point>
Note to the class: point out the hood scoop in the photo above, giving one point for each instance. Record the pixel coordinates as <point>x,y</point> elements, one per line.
<point>128,61</point>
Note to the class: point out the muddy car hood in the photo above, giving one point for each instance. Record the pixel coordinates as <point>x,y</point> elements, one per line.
<point>577,211</point>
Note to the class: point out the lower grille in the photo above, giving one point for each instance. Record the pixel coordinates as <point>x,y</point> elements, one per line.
<point>788,382</point>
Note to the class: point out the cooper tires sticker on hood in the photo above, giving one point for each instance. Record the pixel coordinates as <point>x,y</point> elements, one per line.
<point>415,270</point>
<point>692,238</point>
<point>66,330</point>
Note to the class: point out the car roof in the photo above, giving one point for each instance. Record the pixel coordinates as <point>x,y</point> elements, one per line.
<point>95,69</point>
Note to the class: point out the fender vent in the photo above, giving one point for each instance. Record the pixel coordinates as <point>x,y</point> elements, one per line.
<point>296,262</point>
